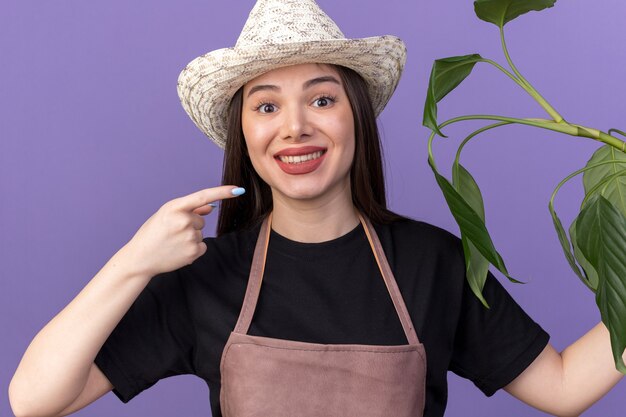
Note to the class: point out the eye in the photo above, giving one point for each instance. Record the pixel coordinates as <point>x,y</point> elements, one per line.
<point>323,101</point>
<point>265,107</point>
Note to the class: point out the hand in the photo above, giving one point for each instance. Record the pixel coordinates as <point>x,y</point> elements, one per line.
<point>172,237</point>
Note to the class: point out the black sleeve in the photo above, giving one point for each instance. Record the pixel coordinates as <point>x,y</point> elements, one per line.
<point>493,346</point>
<point>153,340</point>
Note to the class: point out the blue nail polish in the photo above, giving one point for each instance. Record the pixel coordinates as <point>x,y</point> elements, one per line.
<point>213,205</point>
<point>238,191</point>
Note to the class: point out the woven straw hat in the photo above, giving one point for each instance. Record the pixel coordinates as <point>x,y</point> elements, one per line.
<point>280,33</point>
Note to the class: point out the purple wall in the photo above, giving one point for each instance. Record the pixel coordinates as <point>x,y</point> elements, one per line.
<point>93,140</point>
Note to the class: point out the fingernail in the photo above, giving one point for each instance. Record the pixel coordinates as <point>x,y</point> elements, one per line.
<point>238,191</point>
<point>213,205</point>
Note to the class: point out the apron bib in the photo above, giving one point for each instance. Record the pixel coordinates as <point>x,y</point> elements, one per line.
<point>267,377</point>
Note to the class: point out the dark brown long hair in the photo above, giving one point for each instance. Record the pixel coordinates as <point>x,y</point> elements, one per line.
<point>366,175</point>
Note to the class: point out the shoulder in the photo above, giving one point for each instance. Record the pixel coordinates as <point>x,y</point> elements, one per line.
<point>425,259</point>
<point>420,237</point>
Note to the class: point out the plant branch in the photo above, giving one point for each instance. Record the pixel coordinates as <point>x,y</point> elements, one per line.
<point>562,127</point>
<point>613,141</point>
<point>531,90</point>
<point>598,135</point>
<point>508,59</point>
<point>503,120</point>
<point>508,74</point>
<point>542,123</point>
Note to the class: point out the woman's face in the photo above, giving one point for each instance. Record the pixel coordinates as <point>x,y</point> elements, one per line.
<point>299,130</point>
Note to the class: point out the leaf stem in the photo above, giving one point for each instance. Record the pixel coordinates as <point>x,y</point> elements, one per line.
<point>508,74</point>
<point>430,149</point>
<point>508,59</point>
<point>616,130</point>
<point>601,184</point>
<point>557,222</point>
<point>562,127</point>
<point>531,90</point>
<point>542,123</point>
<point>577,172</point>
<point>613,141</point>
<point>502,119</point>
<point>467,139</point>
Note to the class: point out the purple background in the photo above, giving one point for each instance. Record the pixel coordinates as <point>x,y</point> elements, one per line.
<point>93,140</point>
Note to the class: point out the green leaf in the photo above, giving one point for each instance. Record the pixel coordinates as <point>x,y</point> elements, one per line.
<point>606,181</point>
<point>465,184</point>
<point>500,12</point>
<point>601,236</point>
<point>590,272</point>
<point>565,244</point>
<point>613,190</point>
<point>476,266</point>
<point>471,225</point>
<point>445,75</point>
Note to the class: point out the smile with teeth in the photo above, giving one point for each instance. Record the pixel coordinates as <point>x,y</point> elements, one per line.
<point>298,159</point>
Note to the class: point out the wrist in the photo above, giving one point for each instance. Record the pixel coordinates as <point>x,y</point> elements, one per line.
<point>133,266</point>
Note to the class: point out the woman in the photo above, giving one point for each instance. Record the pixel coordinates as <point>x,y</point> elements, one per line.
<point>353,319</point>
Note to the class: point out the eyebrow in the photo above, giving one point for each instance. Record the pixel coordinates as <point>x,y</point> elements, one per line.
<point>319,80</point>
<point>306,85</point>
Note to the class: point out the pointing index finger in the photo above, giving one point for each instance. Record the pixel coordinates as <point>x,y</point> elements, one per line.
<point>208,195</point>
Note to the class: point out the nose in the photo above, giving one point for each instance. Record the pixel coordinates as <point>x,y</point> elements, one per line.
<point>296,125</point>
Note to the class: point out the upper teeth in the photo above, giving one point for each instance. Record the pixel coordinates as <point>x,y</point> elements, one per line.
<point>300,158</point>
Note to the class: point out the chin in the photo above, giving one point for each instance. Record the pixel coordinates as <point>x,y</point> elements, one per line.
<point>312,190</point>
<point>302,193</point>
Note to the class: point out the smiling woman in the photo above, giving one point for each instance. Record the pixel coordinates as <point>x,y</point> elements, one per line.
<point>366,185</point>
<point>305,106</point>
<point>362,312</point>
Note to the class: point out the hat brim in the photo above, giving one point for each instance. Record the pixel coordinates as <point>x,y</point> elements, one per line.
<point>208,83</point>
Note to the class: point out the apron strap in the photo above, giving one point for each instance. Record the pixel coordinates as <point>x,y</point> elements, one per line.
<point>258,266</point>
<point>255,278</point>
<point>390,281</point>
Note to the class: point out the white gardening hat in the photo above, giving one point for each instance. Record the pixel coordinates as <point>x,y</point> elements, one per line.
<point>279,33</point>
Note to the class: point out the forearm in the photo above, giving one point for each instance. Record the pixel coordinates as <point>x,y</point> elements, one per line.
<point>588,368</point>
<point>55,367</point>
<point>568,383</point>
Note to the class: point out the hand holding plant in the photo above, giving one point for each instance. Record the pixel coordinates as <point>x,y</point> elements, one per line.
<point>596,246</point>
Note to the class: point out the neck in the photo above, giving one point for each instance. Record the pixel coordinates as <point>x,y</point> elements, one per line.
<point>314,221</point>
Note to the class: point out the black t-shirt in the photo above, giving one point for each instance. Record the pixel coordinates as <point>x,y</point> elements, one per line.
<point>330,292</point>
